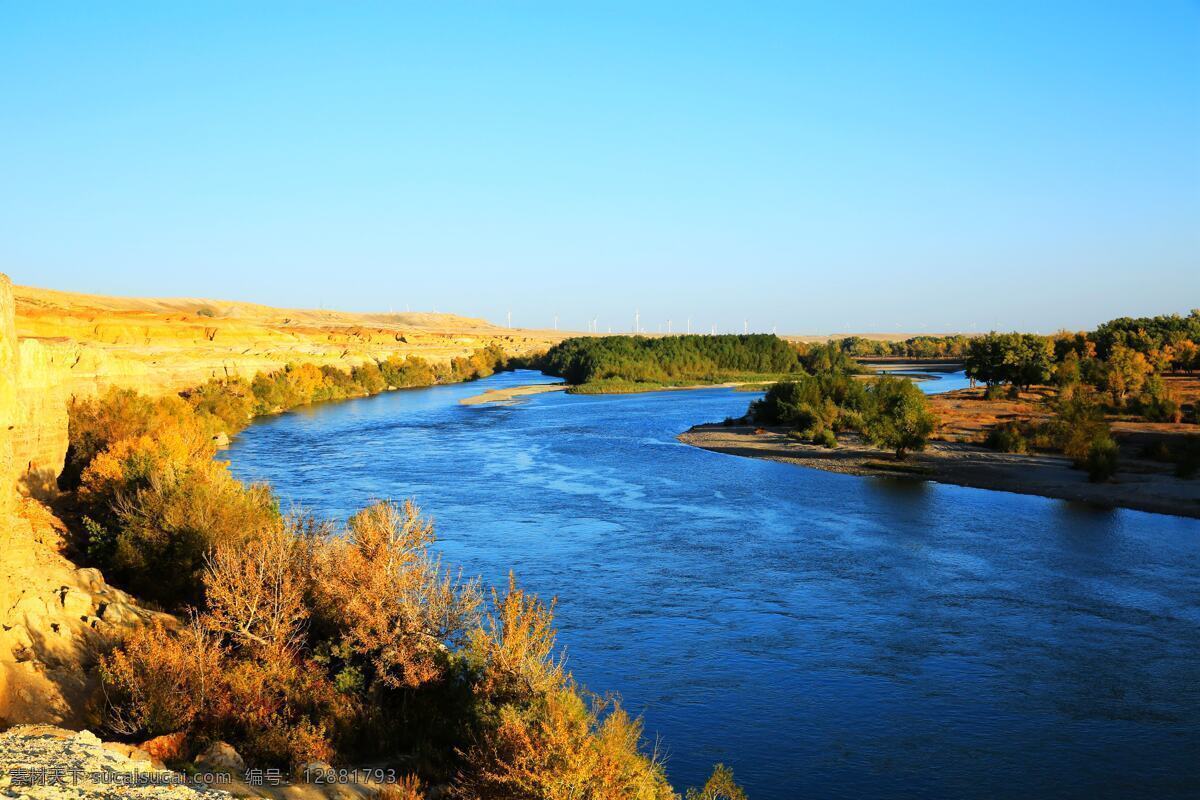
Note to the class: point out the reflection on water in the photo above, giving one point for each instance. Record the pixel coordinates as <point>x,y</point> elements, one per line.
<point>825,635</point>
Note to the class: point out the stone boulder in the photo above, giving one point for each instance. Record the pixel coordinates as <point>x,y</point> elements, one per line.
<point>221,757</point>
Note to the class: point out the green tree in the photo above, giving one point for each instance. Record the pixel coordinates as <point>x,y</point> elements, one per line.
<point>985,359</point>
<point>1021,359</point>
<point>898,415</point>
<point>1028,359</point>
<point>1126,373</point>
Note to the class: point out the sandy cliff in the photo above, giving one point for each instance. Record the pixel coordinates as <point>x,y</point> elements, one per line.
<point>53,616</point>
<point>77,345</point>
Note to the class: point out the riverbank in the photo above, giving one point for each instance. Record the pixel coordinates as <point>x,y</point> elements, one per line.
<point>1144,486</point>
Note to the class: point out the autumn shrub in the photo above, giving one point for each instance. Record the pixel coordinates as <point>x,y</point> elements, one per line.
<point>338,384</point>
<point>409,371</point>
<point>719,786</point>
<point>394,606</point>
<point>279,708</point>
<point>161,505</point>
<point>273,393</point>
<point>407,787</point>
<point>1007,438</point>
<point>240,672</point>
<point>161,681</point>
<point>369,377</point>
<point>536,735</point>
<point>229,403</point>
<point>94,424</point>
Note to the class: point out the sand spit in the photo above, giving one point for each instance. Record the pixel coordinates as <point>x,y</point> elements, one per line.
<point>512,394</point>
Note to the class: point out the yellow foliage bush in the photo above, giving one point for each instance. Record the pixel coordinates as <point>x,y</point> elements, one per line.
<point>538,737</point>
<point>395,604</point>
<point>159,681</point>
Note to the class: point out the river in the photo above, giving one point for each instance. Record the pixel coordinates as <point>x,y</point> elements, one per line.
<point>827,636</point>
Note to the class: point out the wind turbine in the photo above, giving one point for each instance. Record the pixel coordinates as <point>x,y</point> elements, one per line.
<point>637,320</point>
<point>668,327</point>
<point>689,326</point>
<point>556,322</point>
<point>510,318</point>
<point>745,326</point>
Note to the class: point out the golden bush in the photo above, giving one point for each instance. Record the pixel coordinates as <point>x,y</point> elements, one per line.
<point>161,682</point>
<point>395,605</point>
<point>538,736</point>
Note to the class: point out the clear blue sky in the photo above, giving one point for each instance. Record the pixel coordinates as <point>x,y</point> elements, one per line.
<point>821,167</point>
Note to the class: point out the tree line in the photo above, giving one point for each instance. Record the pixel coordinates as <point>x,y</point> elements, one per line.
<point>669,360</point>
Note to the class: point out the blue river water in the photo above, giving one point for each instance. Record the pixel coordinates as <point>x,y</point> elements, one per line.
<point>827,636</point>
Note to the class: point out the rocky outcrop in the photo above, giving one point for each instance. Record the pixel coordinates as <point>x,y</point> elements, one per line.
<point>55,620</point>
<point>47,763</point>
<point>44,762</point>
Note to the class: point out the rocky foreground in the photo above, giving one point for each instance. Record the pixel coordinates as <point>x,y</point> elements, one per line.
<point>40,761</point>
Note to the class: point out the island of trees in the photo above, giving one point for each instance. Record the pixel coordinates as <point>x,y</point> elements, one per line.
<point>606,364</point>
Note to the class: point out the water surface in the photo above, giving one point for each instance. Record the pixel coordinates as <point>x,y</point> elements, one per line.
<point>825,635</point>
